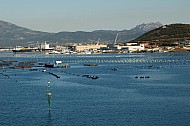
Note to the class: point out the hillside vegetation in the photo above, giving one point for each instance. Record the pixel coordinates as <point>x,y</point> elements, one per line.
<point>167,34</point>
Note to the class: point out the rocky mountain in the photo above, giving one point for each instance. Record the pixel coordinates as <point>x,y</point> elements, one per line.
<point>147,27</point>
<point>11,35</point>
<point>166,35</point>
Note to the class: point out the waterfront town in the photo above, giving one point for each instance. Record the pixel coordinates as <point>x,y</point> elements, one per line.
<point>100,48</point>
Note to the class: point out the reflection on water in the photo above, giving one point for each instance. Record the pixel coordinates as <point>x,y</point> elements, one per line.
<point>49,119</point>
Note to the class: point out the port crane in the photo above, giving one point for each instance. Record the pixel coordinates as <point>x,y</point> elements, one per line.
<point>116,38</point>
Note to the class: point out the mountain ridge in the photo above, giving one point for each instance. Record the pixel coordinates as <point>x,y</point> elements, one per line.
<point>11,35</point>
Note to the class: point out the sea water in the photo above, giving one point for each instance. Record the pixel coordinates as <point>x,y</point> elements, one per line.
<point>143,89</point>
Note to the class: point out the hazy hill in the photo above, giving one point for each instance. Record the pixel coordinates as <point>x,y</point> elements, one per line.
<point>105,35</point>
<point>11,35</point>
<point>167,34</point>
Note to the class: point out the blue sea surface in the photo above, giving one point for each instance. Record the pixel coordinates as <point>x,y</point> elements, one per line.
<point>138,89</point>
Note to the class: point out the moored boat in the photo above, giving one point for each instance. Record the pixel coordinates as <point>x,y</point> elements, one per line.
<point>57,64</point>
<point>90,64</point>
<point>50,65</point>
<point>18,49</point>
<point>43,48</point>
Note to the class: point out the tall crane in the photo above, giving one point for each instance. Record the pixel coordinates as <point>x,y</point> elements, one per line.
<point>98,42</point>
<point>116,38</point>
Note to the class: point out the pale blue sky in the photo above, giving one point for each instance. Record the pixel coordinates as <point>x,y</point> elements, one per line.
<point>89,15</point>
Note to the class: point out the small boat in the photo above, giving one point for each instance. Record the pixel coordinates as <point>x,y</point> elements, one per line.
<point>57,64</point>
<point>63,66</point>
<point>50,65</point>
<point>54,52</point>
<point>90,64</point>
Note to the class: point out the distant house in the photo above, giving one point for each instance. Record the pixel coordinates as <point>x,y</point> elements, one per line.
<point>80,48</point>
<point>132,47</point>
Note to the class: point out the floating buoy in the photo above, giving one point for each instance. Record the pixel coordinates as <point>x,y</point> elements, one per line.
<point>49,95</point>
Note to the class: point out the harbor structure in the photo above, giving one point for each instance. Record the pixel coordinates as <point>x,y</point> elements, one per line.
<point>81,48</point>
<point>42,48</point>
